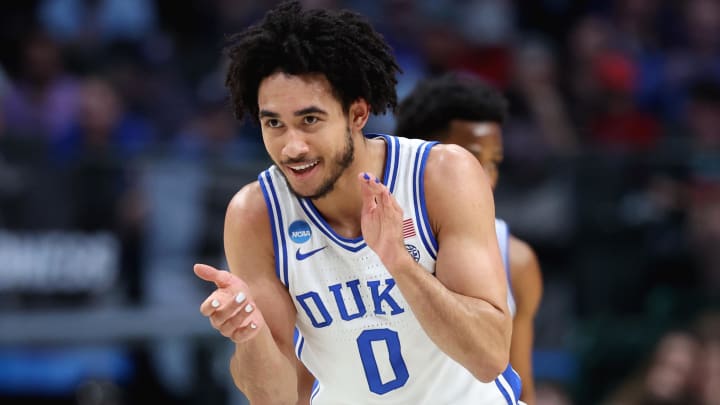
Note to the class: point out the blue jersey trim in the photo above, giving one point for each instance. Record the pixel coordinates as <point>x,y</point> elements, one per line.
<point>273,206</point>
<point>352,245</point>
<point>504,392</point>
<point>299,341</point>
<point>512,379</point>
<point>316,390</point>
<point>396,158</point>
<point>426,235</point>
<point>392,159</point>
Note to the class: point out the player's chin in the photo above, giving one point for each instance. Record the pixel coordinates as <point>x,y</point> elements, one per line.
<point>308,191</point>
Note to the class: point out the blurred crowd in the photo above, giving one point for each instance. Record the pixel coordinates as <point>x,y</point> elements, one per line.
<point>115,123</point>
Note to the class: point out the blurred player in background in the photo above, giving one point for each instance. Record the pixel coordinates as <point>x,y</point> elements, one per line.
<point>462,110</point>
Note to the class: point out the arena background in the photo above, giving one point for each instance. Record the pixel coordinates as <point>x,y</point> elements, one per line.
<point>118,155</point>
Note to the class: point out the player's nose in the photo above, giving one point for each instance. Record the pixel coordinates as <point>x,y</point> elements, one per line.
<point>296,145</point>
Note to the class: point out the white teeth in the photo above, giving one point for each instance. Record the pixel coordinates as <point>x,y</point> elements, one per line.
<point>305,166</point>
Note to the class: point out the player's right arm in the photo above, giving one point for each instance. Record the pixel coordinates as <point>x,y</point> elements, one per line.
<point>264,364</point>
<point>526,281</point>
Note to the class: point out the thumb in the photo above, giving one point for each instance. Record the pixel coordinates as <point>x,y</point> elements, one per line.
<point>221,278</point>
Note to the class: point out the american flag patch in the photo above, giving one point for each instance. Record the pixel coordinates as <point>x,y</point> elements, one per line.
<point>408,228</point>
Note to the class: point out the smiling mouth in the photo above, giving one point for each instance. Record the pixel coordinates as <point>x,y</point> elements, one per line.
<point>303,168</point>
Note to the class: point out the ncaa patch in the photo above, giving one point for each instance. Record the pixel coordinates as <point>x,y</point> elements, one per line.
<point>414,252</point>
<point>299,232</point>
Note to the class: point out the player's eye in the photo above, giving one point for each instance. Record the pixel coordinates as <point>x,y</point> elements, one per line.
<point>310,119</point>
<point>273,123</point>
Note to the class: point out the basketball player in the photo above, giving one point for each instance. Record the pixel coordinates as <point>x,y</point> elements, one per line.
<point>375,247</point>
<point>466,112</point>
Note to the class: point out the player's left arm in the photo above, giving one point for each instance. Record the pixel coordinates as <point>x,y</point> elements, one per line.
<point>463,307</point>
<point>526,281</point>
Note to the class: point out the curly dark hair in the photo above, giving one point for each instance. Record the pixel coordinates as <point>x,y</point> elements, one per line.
<point>427,111</point>
<point>342,45</point>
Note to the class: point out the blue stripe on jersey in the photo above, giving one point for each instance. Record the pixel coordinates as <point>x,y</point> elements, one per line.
<point>299,343</point>
<point>426,153</point>
<point>504,392</point>
<point>396,157</point>
<point>426,235</point>
<point>392,159</point>
<point>352,245</point>
<point>509,378</point>
<point>514,380</point>
<point>276,225</point>
<point>316,389</point>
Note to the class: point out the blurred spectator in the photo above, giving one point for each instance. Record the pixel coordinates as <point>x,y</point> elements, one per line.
<point>702,182</point>
<point>642,31</point>
<point>603,85</point>
<point>212,134</point>
<point>669,376</point>
<point>104,129</point>
<point>638,25</point>
<point>708,327</point>
<point>703,120</point>
<point>683,369</point>
<point>704,234</point>
<point>696,52</point>
<point>89,23</point>
<point>99,150</point>
<point>541,122</point>
<point>43,100</point>
<point>619,122</point>
<point>4,88</point>
<point>589,37</point>
<point>548,393</point>
<point>538,132</point>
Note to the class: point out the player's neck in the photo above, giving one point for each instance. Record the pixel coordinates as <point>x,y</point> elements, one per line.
<point>341,208</point>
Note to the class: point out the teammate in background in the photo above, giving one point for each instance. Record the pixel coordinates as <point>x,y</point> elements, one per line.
<point>362,241</point>
<point>464,111</point>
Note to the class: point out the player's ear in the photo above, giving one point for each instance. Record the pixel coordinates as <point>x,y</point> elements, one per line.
<point>358,113</point>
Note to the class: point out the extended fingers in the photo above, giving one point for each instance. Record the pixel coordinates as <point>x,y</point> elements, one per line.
<point>240,318</point>
<point>229,312</point>
<point>221,278</point>
<point>375,193</point>
<point>247,329</point>
<point>371,185</point>
<point>243,324</point>
<point>367,191</point>
<point>221,303</point>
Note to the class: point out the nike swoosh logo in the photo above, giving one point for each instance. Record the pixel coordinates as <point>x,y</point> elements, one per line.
<point>302,256</point>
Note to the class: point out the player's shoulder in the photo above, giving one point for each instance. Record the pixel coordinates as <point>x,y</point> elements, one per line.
<point>450,163</point>
<point>247,207</point>
<point>522,256</point>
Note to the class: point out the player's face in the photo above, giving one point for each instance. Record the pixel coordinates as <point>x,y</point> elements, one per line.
<point>305,132</point>
<point>482,139</point>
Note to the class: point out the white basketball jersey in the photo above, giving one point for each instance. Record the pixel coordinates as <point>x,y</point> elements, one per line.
<point>357,334</point>
<point>503,236</point>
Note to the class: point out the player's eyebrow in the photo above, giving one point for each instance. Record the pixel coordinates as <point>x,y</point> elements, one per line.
<point>268,114</point>
<point>310,110</point>
<point>305,111</point>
